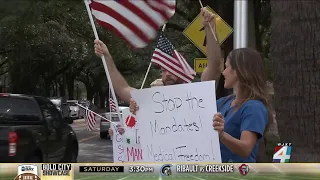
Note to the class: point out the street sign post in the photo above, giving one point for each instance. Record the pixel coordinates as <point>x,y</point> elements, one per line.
<point>196,34</point>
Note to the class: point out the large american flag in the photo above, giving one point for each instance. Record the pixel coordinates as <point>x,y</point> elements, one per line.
<point>89,117</point>
<point>136,21</point>
<point>112,105</point>
<point>170,59</point>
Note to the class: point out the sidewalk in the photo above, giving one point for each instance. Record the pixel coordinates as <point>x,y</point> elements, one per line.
<point>82,123</point>
<point>79,121</point>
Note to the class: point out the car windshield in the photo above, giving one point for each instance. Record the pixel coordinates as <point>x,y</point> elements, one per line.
<point>18,109</point>
<point>72,103</point>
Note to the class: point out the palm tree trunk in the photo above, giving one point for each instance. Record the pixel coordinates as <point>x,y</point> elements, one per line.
<point>295,43</point>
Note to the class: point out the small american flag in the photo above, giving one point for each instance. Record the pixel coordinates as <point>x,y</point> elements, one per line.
<point>112,105</point>
<point>136,21</point>
<point>170,59</point>
<point>89,117</point>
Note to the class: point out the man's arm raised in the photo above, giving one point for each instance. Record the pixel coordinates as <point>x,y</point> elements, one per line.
<point>120,85</point>
<point>212,71</point>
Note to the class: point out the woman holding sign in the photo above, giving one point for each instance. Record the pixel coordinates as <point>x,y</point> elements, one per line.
<point>242,118</point>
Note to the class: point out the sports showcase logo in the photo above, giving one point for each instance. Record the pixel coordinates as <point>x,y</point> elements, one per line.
<point>165,170</point>
<point>29,172</point>
<point>56,172</point>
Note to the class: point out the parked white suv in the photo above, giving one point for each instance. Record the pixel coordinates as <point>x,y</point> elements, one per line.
<point>74,109</point>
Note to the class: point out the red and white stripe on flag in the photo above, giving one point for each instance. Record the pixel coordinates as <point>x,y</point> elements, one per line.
<point>91,120</point>
<point>136,21</point>
<point>183,62</point>
<point>170,59</point>
<point>112,105</point>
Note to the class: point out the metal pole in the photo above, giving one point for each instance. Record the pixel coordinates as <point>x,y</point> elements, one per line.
<point>244,22</point>
<point>236,25</point>
<point>240,25</point>
<point>240,39</point>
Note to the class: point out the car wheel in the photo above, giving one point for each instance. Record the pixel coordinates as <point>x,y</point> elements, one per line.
<point>74,157</point>
<point>103,135</point>
<point>71,121</point>
<point>72,154</point>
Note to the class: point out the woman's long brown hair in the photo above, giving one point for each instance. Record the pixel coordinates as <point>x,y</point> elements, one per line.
<point>249,67</point>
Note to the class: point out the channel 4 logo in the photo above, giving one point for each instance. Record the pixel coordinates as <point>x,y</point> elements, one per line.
<point>282,153</point>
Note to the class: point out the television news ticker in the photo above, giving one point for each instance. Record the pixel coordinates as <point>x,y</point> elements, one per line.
<point>65,171</point>
<point>165,169</point>
<point>180,168</point>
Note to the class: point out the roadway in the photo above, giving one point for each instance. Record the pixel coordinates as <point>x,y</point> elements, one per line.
<point>92,149</point>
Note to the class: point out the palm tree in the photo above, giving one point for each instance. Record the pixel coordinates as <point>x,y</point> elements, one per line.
<point>295,43</point>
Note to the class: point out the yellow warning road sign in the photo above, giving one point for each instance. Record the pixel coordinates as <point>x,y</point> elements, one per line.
<point>196,34</point>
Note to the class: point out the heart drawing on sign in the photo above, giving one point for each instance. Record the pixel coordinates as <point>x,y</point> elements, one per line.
<point>131,121</point>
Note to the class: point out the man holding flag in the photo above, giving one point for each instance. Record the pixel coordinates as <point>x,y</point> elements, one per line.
<point>174,68</point>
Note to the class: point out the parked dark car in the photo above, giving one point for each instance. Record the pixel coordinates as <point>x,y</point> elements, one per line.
<point>33,130</point>
<point>63,107</point>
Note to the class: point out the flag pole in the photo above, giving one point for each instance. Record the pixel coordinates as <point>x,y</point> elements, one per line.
<point>145,76</point>
<point>215,37</point>
<point>214,34</point>
<point>102,57</point>
<point>86,108</point>
<point>110,112</point>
